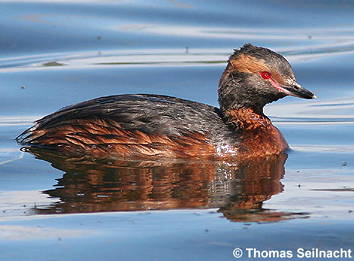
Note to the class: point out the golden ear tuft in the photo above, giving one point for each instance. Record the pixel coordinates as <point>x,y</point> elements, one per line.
<point>247,64</point>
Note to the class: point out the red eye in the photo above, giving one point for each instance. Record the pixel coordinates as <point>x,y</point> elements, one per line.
<point>265,75</point>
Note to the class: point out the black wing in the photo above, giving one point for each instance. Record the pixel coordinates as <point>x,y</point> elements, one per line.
<point>151,114</point>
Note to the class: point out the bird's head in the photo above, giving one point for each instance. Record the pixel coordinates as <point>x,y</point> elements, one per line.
<point>256,76</point>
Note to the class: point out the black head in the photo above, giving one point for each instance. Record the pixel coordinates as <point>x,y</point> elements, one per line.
<point>256,76</point>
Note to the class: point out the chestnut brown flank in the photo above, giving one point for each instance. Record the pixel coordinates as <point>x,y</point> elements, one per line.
<point>103,138</point>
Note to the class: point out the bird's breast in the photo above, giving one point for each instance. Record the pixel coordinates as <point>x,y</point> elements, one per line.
<point>257,136</point>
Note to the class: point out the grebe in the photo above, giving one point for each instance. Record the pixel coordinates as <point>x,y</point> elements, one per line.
<point>144,125</point>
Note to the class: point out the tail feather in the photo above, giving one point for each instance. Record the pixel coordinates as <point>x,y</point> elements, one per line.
<point>29,136</point>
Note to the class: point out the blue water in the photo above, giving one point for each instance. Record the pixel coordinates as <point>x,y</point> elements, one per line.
<point>56,53</point>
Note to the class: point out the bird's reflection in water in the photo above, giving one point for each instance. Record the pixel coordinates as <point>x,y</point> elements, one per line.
<point>238,190</point>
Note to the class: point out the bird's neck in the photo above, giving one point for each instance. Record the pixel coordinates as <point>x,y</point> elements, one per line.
<point>246,119</point>
<point>235,94</point>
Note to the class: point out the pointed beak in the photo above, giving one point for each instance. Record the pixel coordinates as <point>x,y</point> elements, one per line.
<point>295,89</point>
